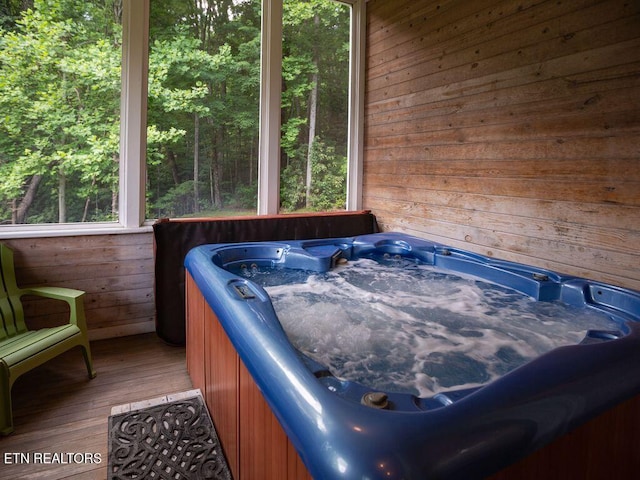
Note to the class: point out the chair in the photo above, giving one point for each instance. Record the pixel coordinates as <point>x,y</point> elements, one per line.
<point>22,349</point>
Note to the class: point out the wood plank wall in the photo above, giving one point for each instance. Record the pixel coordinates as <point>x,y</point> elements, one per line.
<point>115,271</point>
<point>510,128</point>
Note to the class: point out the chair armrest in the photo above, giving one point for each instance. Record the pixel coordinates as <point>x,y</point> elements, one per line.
<point>57,293</point>
<point>74,298</point>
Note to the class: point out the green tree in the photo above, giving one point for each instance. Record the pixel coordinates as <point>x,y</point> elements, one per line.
<point>59,101</point>
<point>219,149</point>
<point>10,11</point>
<point>60,95</point>
<point>315,79</point>
<point>219,145</point>
<point>178,70</point>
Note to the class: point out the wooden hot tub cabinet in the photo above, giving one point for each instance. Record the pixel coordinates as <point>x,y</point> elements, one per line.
<point>253,441</point>
<point>257,447</point>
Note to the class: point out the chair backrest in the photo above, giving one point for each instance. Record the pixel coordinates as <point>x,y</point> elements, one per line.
<point>11,312</point>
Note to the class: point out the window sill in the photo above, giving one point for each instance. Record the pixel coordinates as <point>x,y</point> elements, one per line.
<point>69,230</point>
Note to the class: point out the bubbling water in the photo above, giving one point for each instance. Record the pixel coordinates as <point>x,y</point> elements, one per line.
<point>399,326</point>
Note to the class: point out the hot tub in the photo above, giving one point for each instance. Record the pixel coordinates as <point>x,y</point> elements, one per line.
<point>345,428</point>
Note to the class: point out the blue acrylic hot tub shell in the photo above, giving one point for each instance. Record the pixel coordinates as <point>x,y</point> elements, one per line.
<point>466,434</point>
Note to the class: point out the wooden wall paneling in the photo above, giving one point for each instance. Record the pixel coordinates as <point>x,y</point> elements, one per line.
<point>526,239</point>
<point>517,106</point>
<point>115,271</point>
<point>622,192</point>
<point>458,25</point>
<point>544,150</point>
<point>510,245</point>
<point>606,216</point>
<point>489,51</point>
<point>392,27</point>
<point>509,128</point>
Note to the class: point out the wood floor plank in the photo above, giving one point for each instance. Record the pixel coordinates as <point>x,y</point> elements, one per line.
<point>57,409</point>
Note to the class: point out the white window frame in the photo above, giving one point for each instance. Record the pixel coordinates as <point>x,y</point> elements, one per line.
<point>133,123</point>
<point>270,99</point>
<point>133,111</point>
<point>355,136</point>
<point>270,96</point>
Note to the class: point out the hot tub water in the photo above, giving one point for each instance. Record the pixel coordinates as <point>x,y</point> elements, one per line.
<point>399,326</point>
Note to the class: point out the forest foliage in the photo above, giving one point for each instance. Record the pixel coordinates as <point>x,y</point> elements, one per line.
<point>60,89</point>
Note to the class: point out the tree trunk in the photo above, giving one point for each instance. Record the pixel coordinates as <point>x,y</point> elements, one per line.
<point>19,214</point>
<point>215,160</point>
<point>62,201</point>
<point>313,107</point>
<point>87,203</point>
<point>214,176</point>
<point>313,113</point>
<point>85,211</point>
<point>115,194</point>
<point>117,11</point>
<point>217,167</point>
<point>217,196</point>
<point>196,164</point>
<point>173,166</point>
<point>212,199</point>
<point>252,160</point>
<point>114,204</point>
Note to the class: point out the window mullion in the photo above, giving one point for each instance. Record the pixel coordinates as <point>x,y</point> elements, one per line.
<point>355,137</point>
<point>133,120</point>
<point>270,95</point>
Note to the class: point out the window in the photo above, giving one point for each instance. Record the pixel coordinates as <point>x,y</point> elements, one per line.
<point>203,113</point>
<point>204,94</point>
<point>78,124</point>
<point>59,105</point>
<point>269,165</point>
<point>315,105</point>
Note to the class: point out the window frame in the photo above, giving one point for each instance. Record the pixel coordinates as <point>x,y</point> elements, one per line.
<point>133,122</point>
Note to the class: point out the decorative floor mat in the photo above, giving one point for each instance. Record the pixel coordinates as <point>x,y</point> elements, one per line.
<point>173,440</point>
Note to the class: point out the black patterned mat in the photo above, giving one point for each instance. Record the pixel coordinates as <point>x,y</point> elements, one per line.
<point>171,441</point>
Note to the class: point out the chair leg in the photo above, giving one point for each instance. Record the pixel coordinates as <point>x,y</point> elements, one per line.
<point>6,415</point>
<point>86,353</point>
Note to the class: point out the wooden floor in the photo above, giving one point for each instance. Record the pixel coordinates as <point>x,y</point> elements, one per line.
<point>57,409</point>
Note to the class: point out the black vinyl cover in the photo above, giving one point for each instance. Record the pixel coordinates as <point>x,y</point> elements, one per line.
<point>173,238</point>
